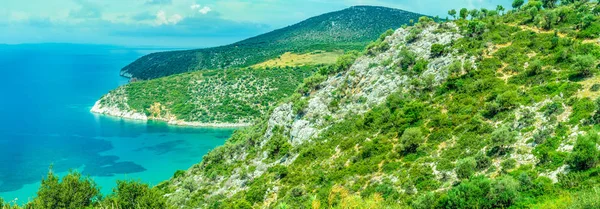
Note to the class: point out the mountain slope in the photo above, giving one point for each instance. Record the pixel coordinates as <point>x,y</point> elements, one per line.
<point>348,29</point>
<point>492,112</point>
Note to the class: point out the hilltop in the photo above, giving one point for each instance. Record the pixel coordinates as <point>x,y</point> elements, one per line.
<point>234,96</point>
<point>348,29</point>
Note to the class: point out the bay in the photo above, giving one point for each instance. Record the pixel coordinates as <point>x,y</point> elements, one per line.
<point>47,92</point>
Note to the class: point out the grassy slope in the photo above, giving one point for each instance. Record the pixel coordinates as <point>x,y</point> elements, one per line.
<point>293,59</point>
<point>348,29</point>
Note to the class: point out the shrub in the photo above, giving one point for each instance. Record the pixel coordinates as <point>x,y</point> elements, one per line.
<point>595,87</point>
<point>411,139</point>
<point>437,50</point>
<point>504,192</point>
<point>465,168</point>
<point>311,83</point>
<point>502,138</point>
<point>483,161</point>
<point>420,66</point>
<point>134,194</point>
<point>584,64</point>
<point>74,191</point>
<point>407,58</point>
<point>508,164</point>
<point>585,154</point>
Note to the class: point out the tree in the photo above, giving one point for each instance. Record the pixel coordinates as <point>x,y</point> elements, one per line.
<point>464,13</point>
<point>452,13</point>
<point>549,4</point>
<point>476,28</point>
<point>502,138</point>
<point>584,64</point>
<point>585,154</point>
<point>411,139</point>
<point>586,21</point>
<point>74,191</point>
<point>474,14</point>
<point>465,167</point>
<point>134,194</point>
<point>500,9</point>
<point>504,192</point>
<point>518,3</point>
<point>533,11</point>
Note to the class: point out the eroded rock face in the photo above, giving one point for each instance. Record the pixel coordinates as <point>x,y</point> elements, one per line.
<point>368,82</point>
<point>281,117</point>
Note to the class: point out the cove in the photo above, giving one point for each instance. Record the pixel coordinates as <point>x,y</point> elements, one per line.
<point>48,90</point>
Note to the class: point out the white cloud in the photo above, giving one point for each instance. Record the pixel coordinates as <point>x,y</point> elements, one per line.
<point>163,19</point>
<point>205,10</point>
<point>195,6</point>
<point>18,16</point>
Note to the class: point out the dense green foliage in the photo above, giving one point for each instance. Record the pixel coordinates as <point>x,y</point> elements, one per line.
<point>349,29</point>
<point>76,192</point>
<point>212,96</point>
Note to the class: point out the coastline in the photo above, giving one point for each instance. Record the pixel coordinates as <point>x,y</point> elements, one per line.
<point>131,115</point>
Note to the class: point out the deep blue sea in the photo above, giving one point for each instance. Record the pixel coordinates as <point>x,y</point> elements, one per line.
<point>47,92</point>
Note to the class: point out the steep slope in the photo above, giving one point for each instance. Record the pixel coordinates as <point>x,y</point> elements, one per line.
<point>348,29</point>
<point>485,113</point>
<point>254,164</point>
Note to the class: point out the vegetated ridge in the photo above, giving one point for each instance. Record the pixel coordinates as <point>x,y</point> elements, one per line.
<point>348,29</point>
<point>237,96</point>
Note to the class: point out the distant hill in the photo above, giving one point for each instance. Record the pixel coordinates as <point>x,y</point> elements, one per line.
<point>348,29</point>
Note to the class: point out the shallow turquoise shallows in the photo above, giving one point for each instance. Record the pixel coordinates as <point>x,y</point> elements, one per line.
<point>47,92</point>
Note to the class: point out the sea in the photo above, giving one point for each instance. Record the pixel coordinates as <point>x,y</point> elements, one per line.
<point>45,122</point>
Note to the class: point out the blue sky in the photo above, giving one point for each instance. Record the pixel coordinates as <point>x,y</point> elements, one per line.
<point>178,23</point>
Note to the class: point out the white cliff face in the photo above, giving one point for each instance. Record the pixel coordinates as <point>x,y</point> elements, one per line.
<point>115,104</point>
<point>368,83</point>
<point>115,111</point>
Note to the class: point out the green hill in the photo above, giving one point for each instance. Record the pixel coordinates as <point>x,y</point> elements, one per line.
<point>348,29</point>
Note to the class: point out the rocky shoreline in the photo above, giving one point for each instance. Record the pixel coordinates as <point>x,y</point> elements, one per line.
<point>132,115</point>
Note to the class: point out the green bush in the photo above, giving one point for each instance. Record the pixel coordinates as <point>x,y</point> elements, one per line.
<point>411,139</point>
<point>465,168</point>
<point>585,154</point>
<point>134,194</point>
<point>437,50</point>
<point>72,192</point>
<point>407,58</point>
<point>502,138</point>
<point>584,65</point>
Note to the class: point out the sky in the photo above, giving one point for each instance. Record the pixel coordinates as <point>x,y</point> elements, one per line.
<point>179,23</point>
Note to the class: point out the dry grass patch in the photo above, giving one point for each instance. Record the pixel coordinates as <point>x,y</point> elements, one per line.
<point>293,59</point>
<point>586,91</point>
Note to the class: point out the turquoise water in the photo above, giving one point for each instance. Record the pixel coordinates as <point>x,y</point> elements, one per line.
<point>47,92</point>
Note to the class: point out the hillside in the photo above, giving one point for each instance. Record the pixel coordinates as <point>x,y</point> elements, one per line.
<point>349,29</point>
<point>224,98</point>
<point>493,112</point>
